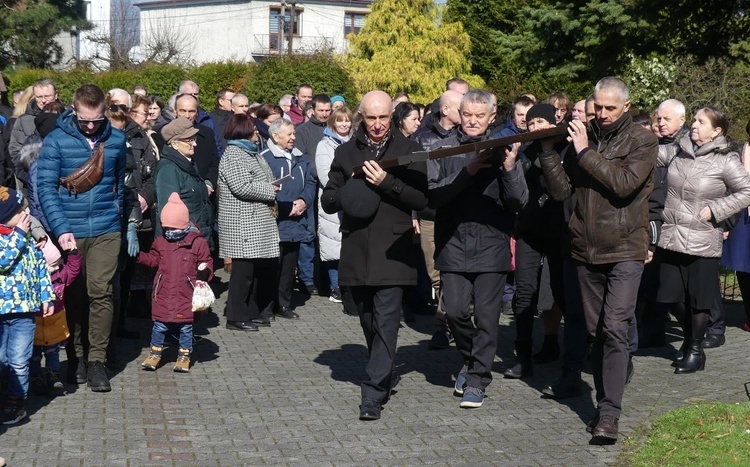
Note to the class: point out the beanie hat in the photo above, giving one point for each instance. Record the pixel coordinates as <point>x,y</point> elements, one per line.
<point>10,202</point>
<point>45,123</point>
<point>545,111</point>
<point>338,98</point>
<point>51,253</point>
<point>175,214</point>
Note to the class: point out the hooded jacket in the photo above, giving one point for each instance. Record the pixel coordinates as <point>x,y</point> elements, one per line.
<point>699,177</point>
<point>97,211</point>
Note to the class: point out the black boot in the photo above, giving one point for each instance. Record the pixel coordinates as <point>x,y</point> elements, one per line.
<point>569,385</point>
<point>523,366</point>
<point>695,358</point>
<point>550,350</point>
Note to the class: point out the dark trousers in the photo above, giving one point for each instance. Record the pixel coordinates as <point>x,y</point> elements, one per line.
<point>529,254</point>
<point>574,339</point>
<point>379,311</point>
<point>743,280</point>
<point>90,302</point>
<point>716,322</point>
<point>252,287</point>
<point>476,341</point>
<point>609,293</point>
<point>287,267</point>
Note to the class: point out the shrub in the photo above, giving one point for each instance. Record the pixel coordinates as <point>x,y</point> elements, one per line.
<point>211,77</point>
<point>275,77</point>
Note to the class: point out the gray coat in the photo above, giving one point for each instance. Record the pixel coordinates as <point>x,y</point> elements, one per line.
<point>247,229</point>
<point>696,179</point>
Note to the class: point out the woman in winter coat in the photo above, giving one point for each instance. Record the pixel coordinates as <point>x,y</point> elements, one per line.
<point>736,253</point>
<point>338,131</point>
<point>699,178</point>
<point>248,233</point>
<point>295,195</point>
<point>176,172</point>
<point>266,114</point>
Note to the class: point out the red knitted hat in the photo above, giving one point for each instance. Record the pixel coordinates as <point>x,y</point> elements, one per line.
<point>174,214</point>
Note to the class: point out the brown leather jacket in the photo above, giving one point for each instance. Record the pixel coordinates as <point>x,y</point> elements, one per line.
<point>612,180</point>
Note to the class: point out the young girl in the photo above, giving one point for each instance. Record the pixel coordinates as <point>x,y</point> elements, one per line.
<point>25,287</point>
<point>182,256</point>
<point>52,331</point>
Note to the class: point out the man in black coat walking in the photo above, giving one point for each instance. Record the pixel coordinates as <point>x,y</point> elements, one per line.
<point>377,254</point>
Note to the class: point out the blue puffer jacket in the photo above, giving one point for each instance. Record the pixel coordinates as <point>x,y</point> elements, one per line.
<point>97,211</point>
<point>302,186</point>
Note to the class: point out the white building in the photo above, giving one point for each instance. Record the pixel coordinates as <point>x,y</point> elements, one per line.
<point>248,30</point>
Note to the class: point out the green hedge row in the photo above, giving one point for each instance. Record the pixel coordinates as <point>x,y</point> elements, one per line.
<point>265,81</point>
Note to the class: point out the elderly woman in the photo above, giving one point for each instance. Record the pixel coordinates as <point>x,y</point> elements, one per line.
<point>406,118</point>
<point>248,233</point>
<point>295,195</point>
<point>176,172</point>
<point>337,131</point>
<point>699,177</point>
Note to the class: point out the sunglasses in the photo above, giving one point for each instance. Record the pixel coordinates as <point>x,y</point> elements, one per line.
<point>83,121</point>
<point>116,107</point>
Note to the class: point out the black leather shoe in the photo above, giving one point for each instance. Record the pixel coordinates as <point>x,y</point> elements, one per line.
<point>98,379</point>
<point>241,326</point>
<point>262,321</point>
<point>286,312</point>
<point>369,410</point>
<point>569,385</point>
<point>79,373</point>
<point>713,341</point>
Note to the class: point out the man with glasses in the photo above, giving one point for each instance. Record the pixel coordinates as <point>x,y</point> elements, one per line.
<point>223,112</point>
<point>45,92</point>
<point>203,117</point>
<point>89,221</point>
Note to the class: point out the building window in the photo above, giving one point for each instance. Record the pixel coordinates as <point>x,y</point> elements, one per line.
<point>353,22</point>
<point>273,26</point>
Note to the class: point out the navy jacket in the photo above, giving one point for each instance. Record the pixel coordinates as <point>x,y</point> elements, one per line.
<point>302,186</point>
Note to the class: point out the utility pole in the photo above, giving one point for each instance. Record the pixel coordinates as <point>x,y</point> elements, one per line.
<point>292,19</point>
<point>280,44</point>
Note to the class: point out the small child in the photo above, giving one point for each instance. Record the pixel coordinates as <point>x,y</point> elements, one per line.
<point>182,256</point>
<point>52,331</point>
<point>25,287</point>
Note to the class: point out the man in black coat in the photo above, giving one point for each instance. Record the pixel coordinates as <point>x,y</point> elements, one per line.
<point>377,254</point>
<point>475,195</point>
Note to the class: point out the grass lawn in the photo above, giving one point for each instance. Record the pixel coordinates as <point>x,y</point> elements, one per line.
<point>707,434</point>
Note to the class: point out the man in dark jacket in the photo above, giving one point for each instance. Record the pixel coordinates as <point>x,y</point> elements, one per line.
<point>223,112</point>
<point>474,195</point>
<point>377,255</point>
<point>516,123</point>
<point>202,117</point>
<point>613,178</point>
<point>90,221</point>
<point>432,137</point>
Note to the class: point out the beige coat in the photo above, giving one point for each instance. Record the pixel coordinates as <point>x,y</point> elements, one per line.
<point>696,179</point>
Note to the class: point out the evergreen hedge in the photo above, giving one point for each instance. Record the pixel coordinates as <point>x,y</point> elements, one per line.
<point>266,81</point>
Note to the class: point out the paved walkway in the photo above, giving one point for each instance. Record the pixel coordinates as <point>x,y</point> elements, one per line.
<point>289,395</point>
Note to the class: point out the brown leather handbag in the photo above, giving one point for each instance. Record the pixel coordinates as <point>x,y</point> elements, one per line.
<point>88,175</point>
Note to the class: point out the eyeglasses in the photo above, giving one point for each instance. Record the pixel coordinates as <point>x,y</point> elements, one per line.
<point>188,141</point>
<point>116,107</point>
<point>144,114</point>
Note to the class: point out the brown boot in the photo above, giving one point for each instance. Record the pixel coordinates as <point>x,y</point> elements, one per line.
<point>182,365</point>
<point>153,359</point>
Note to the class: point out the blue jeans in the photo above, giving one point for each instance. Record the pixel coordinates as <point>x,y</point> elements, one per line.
<point>51,359</point>
<point>333,273</point>
<point>307,251</point>
<point>16,342</point>
<point>159,332</point>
